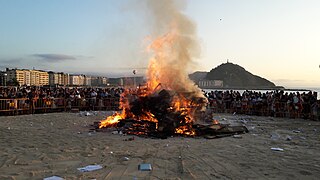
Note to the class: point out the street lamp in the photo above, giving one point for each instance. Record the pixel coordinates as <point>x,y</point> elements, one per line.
<point>134,79</point>
<point>5,79</point>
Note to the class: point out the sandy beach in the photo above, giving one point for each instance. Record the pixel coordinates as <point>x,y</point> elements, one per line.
<point>44,145</point>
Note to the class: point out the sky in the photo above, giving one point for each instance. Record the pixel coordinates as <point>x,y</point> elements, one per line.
<point>276,39</point>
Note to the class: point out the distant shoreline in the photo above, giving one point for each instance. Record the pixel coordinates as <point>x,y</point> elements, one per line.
<point>258,89</point>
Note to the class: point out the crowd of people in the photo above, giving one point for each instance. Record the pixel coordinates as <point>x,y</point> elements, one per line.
<point>43,99</point>
<point>58,92</point>
<point>270,103</point>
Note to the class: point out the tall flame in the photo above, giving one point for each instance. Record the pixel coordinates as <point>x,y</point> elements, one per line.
<point>173,52</point>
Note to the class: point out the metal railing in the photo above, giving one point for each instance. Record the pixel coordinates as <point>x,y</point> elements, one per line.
<point>43,105</point>
<point>278,109</point>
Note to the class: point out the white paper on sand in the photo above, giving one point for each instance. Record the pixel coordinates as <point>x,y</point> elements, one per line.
<point>277,149</point>
<point>53,178</point>
<point>90,168</point>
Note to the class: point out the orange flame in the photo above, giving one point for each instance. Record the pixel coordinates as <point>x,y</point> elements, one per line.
<point>185,130</point>
<point>165,71</point>
<point>215,121</point>
<point>110,121</point>
<point>148,117</point>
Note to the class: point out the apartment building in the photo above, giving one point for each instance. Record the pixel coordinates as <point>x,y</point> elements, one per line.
<point>27,77</point>
<point>65,79</point>
<point>39,78</point>
<point>53,78</point>
<point>76,80</point>
<point>23,76</point>
<point>87,80</point>
<point>99,81</point>
<point>34,77</point>
<point>43,78</point>
<point>3,78</point>
<point>60,78</point>
<point>210,84</point>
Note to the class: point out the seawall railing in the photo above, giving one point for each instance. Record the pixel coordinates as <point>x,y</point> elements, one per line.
<point>19,106</point>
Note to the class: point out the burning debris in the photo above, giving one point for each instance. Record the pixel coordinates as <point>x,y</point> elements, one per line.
<point>170,103</point>
<point>161,114</point>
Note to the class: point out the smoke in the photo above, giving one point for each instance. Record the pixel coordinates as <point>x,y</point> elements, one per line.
<point>175,46</point>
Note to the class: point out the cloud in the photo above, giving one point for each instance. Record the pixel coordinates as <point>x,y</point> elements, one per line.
<point>84,57</point>
<point>54,57</point>
<point>9,63</point>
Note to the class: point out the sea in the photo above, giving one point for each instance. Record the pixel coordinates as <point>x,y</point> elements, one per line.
<point>289,90</point>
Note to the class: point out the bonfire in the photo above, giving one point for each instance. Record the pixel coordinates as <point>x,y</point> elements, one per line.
<point>170,103</point>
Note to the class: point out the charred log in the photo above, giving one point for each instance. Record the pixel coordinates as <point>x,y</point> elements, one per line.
<point>219,130</point>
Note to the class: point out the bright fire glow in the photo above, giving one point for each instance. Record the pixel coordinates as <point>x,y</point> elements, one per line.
<point>110,121</point>
<point>166,70</point>
<point>215,121</point>
<point>185,130</point>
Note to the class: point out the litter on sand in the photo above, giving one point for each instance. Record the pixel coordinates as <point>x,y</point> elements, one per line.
<point>288,138</point>
<point>144,167</point>
<point>125,159</point>
<point>53,178</point>
<point>237,136</point>
<point>90,168</point>
<point>277,149</point>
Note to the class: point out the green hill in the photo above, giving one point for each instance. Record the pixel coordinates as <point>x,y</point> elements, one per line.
<point>235,76</point>
<point>198,75</point>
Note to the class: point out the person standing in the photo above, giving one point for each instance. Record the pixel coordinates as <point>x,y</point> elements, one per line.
<point>31,102</point>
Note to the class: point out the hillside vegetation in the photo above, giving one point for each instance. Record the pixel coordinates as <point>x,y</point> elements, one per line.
<point>233,76</point>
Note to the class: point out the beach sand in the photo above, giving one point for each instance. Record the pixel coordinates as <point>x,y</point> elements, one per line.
<point>44,145</point>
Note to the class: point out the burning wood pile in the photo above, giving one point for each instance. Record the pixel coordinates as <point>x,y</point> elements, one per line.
<point>156,116</point>
<point>170,104</point>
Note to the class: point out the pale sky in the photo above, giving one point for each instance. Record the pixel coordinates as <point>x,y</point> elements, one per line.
<point>275,39</point>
